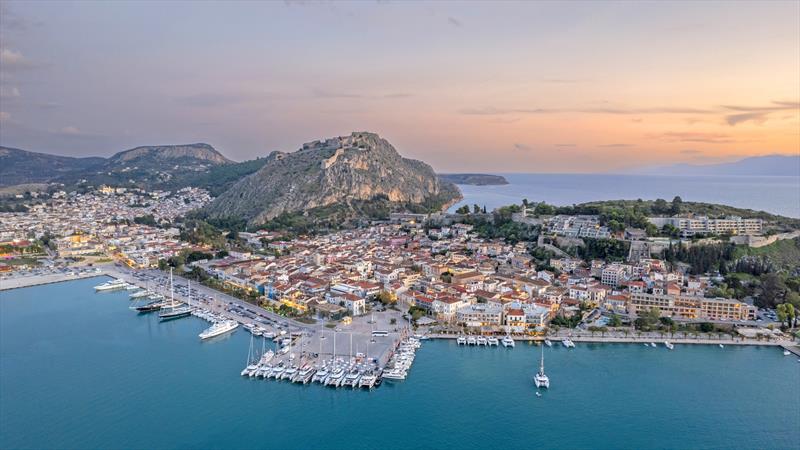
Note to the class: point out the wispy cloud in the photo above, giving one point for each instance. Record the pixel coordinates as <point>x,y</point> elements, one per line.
<point>757,114</point>
<point>324,93</point>
<point>757,117</point>
<point>70,130</point>
<point>565,145</point>
<point>398,95</point>
<point>691,151</point>
<point>490,110</point>
<point>454,22</point>
<point>706,138</point>
<point>615,145</point>
<point>210,100</point>
<point>522,147</point>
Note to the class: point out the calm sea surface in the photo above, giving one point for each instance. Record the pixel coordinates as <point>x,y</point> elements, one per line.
<point>79,370</point>
<point>778,195</point>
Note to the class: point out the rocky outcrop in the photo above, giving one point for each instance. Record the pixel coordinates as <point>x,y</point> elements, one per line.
<point>339,171</point>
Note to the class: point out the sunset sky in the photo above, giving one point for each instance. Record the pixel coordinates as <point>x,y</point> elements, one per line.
<point>501,87</point>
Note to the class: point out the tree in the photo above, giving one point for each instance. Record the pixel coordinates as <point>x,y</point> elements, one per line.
<point>773,291</point>
<point>543,209</point>
<point>615,321</point>
<point>660,206</point>
<point>786,313</point>
<point>677,203</point>
<point>706,327</point>
<point>463,210</point>
<point>476,209</point>
<point>148,220</point>
<point>385,298</point>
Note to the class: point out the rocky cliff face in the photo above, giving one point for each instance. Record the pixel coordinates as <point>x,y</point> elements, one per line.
<point>338,171</point>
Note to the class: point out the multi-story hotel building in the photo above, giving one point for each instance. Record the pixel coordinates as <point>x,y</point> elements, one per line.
<point>685,307</point>
<point>693,225</point>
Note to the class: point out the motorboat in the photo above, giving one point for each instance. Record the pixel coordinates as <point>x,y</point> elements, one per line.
<point>461,340</point>
<point>508,342</point>
<point>493,341</point>
<point>219,328</point>
<point>112,285</point>
<point>669,345</point>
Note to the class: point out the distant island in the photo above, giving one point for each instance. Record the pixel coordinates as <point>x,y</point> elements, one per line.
<point>475,179</point>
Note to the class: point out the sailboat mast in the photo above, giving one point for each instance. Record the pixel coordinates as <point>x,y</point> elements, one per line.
<point>541,367</point>
<point>171,290</point>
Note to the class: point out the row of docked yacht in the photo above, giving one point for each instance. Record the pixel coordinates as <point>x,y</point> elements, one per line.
<point>400,362</point>
<point>490,341</point>
<point>567,342</point>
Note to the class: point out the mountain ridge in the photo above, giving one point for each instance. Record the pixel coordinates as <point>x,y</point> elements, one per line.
<point>768,165</point>
<point>345,172</point>
<point>144,165</point>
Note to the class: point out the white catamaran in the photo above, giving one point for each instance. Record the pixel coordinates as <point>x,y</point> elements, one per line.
<point>540,379</point>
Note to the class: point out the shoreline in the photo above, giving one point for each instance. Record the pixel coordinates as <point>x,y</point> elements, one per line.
<point>53,278</point>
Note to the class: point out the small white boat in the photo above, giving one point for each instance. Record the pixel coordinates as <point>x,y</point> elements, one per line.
<point>669,345</point>
<point>508,342</point>
<point>111,285</point>
<point>461,340</point>
<point>493,341</point>
<point>472,340</point>
<point>721,346</point>
<point>538,394</point>
<point>482,340</point>
<point>548,343</point>
<point>394,374</point>
<point>646,345</point>
<point>786,353</point>
<point>219,328</point>
<point>653,344</point>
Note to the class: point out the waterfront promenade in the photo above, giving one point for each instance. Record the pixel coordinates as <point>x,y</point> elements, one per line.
<point>18,282</point>
<point>700,339</point>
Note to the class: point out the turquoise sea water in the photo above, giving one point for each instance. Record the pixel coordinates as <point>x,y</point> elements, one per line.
<point>80,370</point>
<point>778,195</point>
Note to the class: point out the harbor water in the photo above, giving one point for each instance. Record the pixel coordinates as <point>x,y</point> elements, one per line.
<point>777,195</point>
<point>80,370</point>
